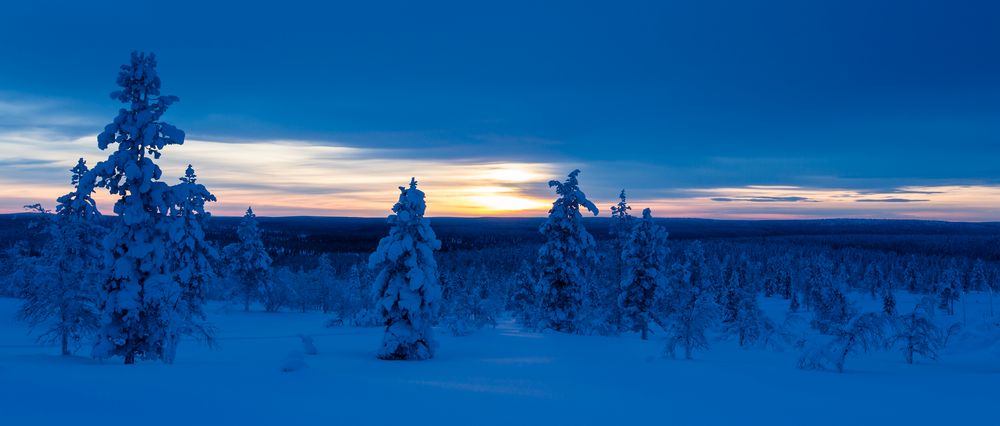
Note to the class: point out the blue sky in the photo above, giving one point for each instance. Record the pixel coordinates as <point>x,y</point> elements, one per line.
<point>709,108</point>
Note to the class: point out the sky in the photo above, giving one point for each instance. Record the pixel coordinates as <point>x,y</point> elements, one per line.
<point>716,109</point>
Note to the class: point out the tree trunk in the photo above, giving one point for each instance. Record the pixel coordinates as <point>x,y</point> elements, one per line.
<point>65,344</point>
<point>129,358</point>
<point>645,333</point>
<point>246,303</point>
<point>991,302</point>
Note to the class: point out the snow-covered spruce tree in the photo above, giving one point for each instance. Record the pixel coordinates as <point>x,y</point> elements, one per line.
<point>826,295</point>
<point>643,258</point>
<point>694,309</point>
<point>747,321</point>
<point>888,301</point>
<point>949,290</point>
<point>523,300</point>
<point>64,296</point>
<point>916,333</point>
<point>140,296</point>
<point>564,257</point>
<point>979,281</point>
<point>407,287</point>
<point>251,264</point>
<point>191,256</point>
<point>621,223</point>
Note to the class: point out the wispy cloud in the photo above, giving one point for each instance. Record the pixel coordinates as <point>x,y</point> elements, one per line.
<point>789,199</point>
<point>890,200</point>
<point>40,142</point>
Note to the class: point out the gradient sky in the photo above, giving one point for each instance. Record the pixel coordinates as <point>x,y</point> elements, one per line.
<point>725,109</point>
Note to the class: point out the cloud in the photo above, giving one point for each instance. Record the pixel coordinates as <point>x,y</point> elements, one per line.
<point>335,177</point>
<point>891,200</point>
<point>791,199</point>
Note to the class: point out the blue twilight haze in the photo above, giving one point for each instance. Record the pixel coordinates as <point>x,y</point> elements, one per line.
<point>710,108</point>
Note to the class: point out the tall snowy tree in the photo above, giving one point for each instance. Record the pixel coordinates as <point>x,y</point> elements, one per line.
<point>251,263</point>
<point>64,299</point>
<point>191,255</point>
<point>141,296</point>
<point>621,222</point>
<point>564,257</point>
<point>694,309</point>
<point>407,286</point>
<point>643,259</point>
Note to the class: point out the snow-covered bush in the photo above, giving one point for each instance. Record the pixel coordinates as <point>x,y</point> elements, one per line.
<point>472,300</point>
<point>916,333</point>
<point>407,283</point>
<point>864,333</point>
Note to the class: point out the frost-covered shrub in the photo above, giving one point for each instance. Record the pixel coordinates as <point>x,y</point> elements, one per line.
<point>864,333</point>
<point>916,333</point>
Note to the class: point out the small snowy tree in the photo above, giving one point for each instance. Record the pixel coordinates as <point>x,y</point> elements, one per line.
<point>864,333</point>
<point>643,257</point>
<point>826,295</point>
<point>407,283</point>
<point>748,322</point>
<point>694,309</point>
<point>140,296</point>
<point>252,265</point>
<point>888,302</point>
<point>64,297</point>
<point>564,256</point>
<point>523,300</point>
<point>916,333</point>
<point>191,256</point>
<point>950,290</point>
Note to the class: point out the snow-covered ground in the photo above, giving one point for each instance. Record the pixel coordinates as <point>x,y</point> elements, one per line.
<point>496,376</point>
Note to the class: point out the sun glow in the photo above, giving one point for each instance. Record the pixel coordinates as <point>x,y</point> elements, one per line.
<point>501,203</point>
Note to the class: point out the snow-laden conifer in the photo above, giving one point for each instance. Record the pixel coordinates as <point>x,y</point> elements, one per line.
<point>564,257</point>
<point>621,222</point>
<point>251,264</point>
<point>693,310</point>
<point>141,295</point>
<point>643,260</point>
<point>63,294</point>
<point>827,297</point>
<point>191,256</point>
<point>407,286</point>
